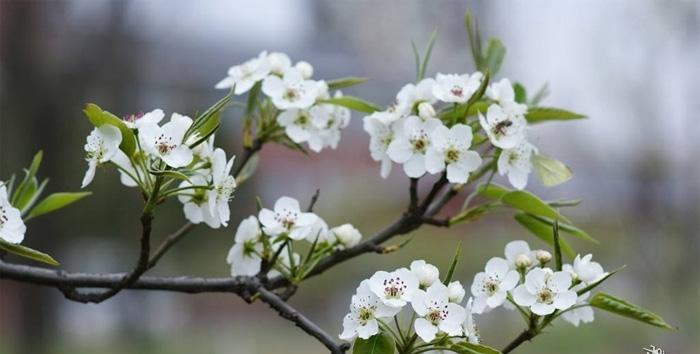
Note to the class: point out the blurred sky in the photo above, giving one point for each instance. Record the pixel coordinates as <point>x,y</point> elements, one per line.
<point>631,66</point>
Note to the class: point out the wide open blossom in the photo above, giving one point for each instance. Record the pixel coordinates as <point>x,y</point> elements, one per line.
<point>166,141</point>
<point>436,313</point>
<point>12,226</point>
<point>545,291</point>
<point>101,146</point>
<point>411,95</point>
<point>291,91</point>
<point>504,125</point>
<point>379,127</point>
<point>491,287</point>
<point>244,256</point>
<point>394,289</point>
<point>287,218</point>
<point>411,143</point>
<point>365,309</point>
<point>454,88</point>
<point>450,147</point>
<point>245,75</point>
<point>516,163</point>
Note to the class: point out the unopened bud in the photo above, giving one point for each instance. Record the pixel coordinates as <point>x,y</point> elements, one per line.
<point>426,110</point>
<point>305,69</point>
<point>522,261</point>
<point>543,256</point>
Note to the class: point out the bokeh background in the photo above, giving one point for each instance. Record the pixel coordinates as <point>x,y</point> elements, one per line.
<point>631,66</point>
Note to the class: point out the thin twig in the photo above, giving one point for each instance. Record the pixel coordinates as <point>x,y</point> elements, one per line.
<point>313,201</point>
<point>248,153</point>
<point>168,243</point>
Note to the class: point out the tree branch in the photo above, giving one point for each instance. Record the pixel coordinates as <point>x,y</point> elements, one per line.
<point>248,152</point>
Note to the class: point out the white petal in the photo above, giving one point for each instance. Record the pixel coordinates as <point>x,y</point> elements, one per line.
<point>516,248</point>
<point>369,329</point>
<point>399,150</point>
<point>273,86</point>
<point>349,328</point>
<point>89,174</point>
<point>523,297</point>
<point>415,166</point>
<point>564,300</point>
<point>510,281</point>
<point>425,330</point>
<point>181,156</point>
<point>542,309</point>
<point>287,203</point>
<point>435,161</point>
<point>496,299</point>
<point>498,266</point>
<point>418,302</point>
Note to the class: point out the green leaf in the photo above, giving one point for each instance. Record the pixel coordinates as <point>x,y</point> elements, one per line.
<point>56,201</point>
<point>470,214</point>
<point>353,103</point>
<point>478,107</point>
<point>520,93</point>
<point>493,58</point>
<point>98,117</point>
<point>564,203</point>
<point>492,190</point>
<point>471,348</point>
<point>206,123</point>
<point>248,169</point>
<point>28,179</point>
<point>557,246</point>
<point>27,252</point>
<point>550,171</point>
<point>598,282</point>
<point>474,37</point>
<point>531,204</point>
<point>379,343</point>
<point>623,308</point>
<point>543,232</point>
<point>426,55</point>
<point>453,264</point>
<point>542,114</point>
<point>344,82</point>
<point>567,228</point>
<point>29,191</point>
<point>35,197</point>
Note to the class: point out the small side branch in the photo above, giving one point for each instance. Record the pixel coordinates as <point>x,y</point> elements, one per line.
<point>169,242</point>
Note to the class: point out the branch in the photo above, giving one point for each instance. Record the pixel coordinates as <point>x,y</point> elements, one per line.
<point>248,152</point>
<point>313,201</point>
<point>526,335</point>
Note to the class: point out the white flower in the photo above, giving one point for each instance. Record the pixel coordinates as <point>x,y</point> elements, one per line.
<point>223,185</point>
<point>450,147</point>
<point>365,309</point>
<point>519,255</point>
<point>456,291</point>
<point>394,289</point>
<point>305,69</point>
<point>291,91</point>
<point>516,163</point>
<point>504,127</point>
<point>297,125</point>
<point>12,226</point>
<point>469,325</point>
<point>456,88</point>
<point>288,219</point>
<point>127,169</point>
<point>501,91</point>
<point>279,63</point>
<point>490,287</point>
<point>585,270</point>
<point>328,120</point>
<point>101,146</point>
<point>138,120</point>
<point>195,203</point>
<point>166,141</point>
<point>378,126</point>
<point>411,94</point>
<point>436,313</point>
<point>245,75</point>
<point>545,291</point>
<point>426,110</point>
<point>426,273</point>
<point>411,143</point>
<point>583,314</point>
<point>244,256</point>
<point>543,256</point>
<point>347,235</point>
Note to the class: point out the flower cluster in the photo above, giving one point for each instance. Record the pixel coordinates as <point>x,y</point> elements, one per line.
<point>269,237</point>
<point>299,99</point>
<point>12,226</point>
<point>425,137</point>
<point>172,150</point>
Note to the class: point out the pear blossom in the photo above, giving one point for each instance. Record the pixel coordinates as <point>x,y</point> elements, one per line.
<point>426,110</point>
<point>519,255</point>
<point>305,69</point>
<point>379,127</point>
<point>12,226</point>
<point>545,291</point>
<point>450,147</point>
<point>456,292</point>
<point>126,169</point>
<point>501,91</point>
<point>291,91</point>
<point>427,274</point>
<point>585,270</point>
<point>543,256</point>
<point>166,141</point>
<point>297,125</point>
<point>394,289</point>
<point>583,313</point>
<point>365,309</point>
<point>490,287</point>
<point>516,163</point>
<point>287,218</point>
<point>138,120</point>
<point>328,120</point>
<point>504,127</point>
<point>469,325</point>
<point>411,142</point>
<point>436,313</point>
<point>279,63</point>
<point>347,235</point>
<point>101,146</point>
<point>319,233</point>
<point>244,256</point>
<point>454,88</point>
<point>195,204</point>
<point>245,75</point>
<point>412,94</point>
<point>223,185</point>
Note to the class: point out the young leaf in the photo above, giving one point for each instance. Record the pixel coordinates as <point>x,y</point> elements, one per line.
<point>28,178</point>
<point>210,119</point>
<point>550,171</point>
<point>520,93</point>
<point>474,37</point>
<point>453,265</point>
<point>531,204</point>
<point>493,58</point>
<point>492,190</point>
<point>379,343</point>
<point>623,308</point>
<point>471,348</point>
<point>98,117</point>
<point>344,82</point>
<point>569,229</point>
<point>426,55</point>
<point>542,114</point>
<point>543,232</point>
<point>56,201</point>
<point>557,246</point>
<point>27,252</point>
<point>353,103</point>
<point>29,191</point>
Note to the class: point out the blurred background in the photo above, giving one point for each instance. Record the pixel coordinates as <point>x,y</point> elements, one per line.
<point>631,66</point>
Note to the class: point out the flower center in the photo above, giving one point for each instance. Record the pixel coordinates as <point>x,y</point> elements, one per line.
<point>132,118</point>
<point>545,296</point>
<point>302,120</point>
<point>3,216</point>
<point>437,312</point>
<point>225,189</point>
<point>95,149</point>
<point>165,144</point>
<point>291,94</point>
<point>457,91</point>
<point>394,287</point>
<point>287,218</point>
<point>419,141</point>
<point>451,155</point>
<point>365,314</point>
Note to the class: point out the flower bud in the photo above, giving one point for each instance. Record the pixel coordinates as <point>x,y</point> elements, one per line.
<point>455,291</point>
<point>426,110</point>
<point>279,62</point>
<point>426,273</point>
<point>523,261</point>
<point>543,256</point>
<point>305,69</point>
<point>347,235</point>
